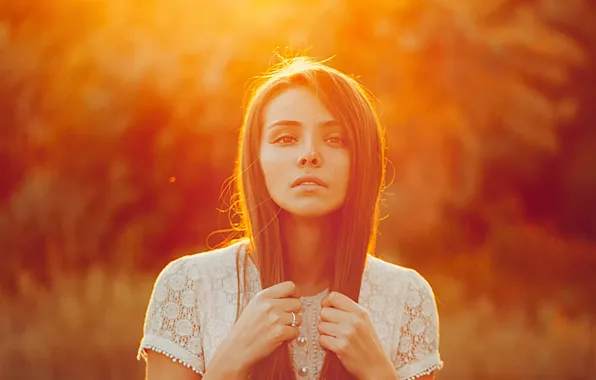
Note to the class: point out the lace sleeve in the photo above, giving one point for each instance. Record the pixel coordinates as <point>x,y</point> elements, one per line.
<point>418,349</point>
<point>171,322</point>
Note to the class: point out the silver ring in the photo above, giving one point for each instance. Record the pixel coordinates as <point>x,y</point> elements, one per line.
<point>294,321</point>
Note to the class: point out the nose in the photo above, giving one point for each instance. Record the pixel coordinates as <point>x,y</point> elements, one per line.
<point>311,159</point>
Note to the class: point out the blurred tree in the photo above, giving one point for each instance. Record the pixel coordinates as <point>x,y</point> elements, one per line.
<point>461,84</point>
<point>119,123</point>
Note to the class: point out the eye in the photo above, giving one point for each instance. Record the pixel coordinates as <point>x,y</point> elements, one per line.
<point>335,141</point>
<point>284,139</point>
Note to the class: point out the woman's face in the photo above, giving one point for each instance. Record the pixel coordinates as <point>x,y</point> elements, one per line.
<point>303,155</point>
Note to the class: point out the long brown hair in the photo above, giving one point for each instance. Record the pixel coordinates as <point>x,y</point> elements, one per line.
<point>358,218</point>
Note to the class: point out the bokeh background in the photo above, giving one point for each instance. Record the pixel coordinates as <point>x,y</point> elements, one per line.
<point>119,127</point>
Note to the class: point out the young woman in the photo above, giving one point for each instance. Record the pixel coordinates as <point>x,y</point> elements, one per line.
<point>301,295</point>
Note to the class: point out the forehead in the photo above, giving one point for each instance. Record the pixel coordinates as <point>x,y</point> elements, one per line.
<point>298,104</point>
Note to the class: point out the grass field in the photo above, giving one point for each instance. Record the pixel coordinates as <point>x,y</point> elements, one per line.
<point>88,328</point>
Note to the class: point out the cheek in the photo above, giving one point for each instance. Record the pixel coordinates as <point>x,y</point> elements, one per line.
<point>342,167</point>
<point>273,167</point>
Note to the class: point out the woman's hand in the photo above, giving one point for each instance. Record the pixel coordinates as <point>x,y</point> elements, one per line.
<point>264,324</point>
<point>346,330</point>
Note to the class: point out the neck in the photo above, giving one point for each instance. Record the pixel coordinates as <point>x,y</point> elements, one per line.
<point>308,252</point>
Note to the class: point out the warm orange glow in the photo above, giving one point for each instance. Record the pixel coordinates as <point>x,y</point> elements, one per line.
<point>487,105</point>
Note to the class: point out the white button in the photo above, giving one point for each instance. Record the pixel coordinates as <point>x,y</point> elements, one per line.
<point>301,340</point>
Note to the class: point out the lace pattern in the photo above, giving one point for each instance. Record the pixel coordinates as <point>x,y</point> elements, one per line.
<point>418,349</point>
<point>171,322</point>
<point>194,303</point>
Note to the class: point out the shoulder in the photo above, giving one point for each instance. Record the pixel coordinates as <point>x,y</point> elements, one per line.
<point>182,291</point>
<point>395,278</point>
<point>200,265</point>
<point>403,302</point>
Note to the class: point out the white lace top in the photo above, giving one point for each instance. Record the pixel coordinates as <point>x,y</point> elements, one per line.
<point>195,300</point>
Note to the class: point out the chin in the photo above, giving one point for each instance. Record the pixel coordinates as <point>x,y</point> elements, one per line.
<point>310,209</point>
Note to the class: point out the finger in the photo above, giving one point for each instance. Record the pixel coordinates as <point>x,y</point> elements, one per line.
<point>340,301</point>
<point>289,333</point>
<point>330,314</point>
<point>332,344</point>
<point>329,328</point>
<point>288,304</point>
<point>282,290</point>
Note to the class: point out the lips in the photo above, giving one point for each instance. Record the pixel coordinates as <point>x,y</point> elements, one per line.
<point>308,180</point>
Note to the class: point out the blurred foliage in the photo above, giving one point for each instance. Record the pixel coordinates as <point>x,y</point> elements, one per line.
<point>119,121</point>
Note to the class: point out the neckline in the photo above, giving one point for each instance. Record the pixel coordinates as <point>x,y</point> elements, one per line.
<point>315,297</point>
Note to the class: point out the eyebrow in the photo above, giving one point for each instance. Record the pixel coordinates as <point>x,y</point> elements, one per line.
<point>294,123</point>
